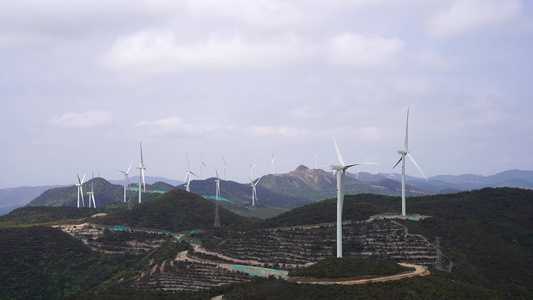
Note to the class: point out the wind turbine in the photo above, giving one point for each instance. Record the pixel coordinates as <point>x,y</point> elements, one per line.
<point>188,176</point>
<point>341,168</point>
<point>141,168</point>
<point>252,170</point>
<point>80,190</point>
<point>316,159</point>
<point>217,195</point>
<point>272,163</point>
<point>254,191</point>
<point>403,153</point>
<point>202,164</point>
<point>225,165</point>
<point>126,180</point>
<point>217,180</point>
<point>91,193</point>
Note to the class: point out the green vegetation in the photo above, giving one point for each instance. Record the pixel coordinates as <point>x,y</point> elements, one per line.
<point>175,210</point>
<point>422,288</point>
<point>349,267</point>
<point>168,250</point>
<point>38,215</point>
<point>486,233</point>
<point>45,263</point>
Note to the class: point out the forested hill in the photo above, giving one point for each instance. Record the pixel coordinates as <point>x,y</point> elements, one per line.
<point>487,233</point>
<point>175,211</point>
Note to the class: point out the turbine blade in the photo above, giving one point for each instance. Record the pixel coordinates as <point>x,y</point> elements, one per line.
<point>129,167</point>
<point>83,179</point>
<point>79,180</point>
<point>339,155</point>
<point>413,160</point>
<point>257,180</point>
<point>216,171</point>
<point>406,130</point>
<point>142,161</point>
<point>398,162</point>
<point>224,160</point>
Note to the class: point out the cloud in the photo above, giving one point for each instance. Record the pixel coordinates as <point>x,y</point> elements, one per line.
<point>278,131</point>
<point>467,15</point>
<point>89,119</point>
<point>264,13</point>
<point>363,51</point>
<point>172,126</point>
<point>160,51</point>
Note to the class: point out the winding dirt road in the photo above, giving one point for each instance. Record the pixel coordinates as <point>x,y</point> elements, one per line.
<point>253,269</point>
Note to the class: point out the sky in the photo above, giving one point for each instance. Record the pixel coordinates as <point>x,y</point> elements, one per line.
<point>83,82</point>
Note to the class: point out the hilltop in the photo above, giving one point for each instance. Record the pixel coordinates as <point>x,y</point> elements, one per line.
<point>175,210</point>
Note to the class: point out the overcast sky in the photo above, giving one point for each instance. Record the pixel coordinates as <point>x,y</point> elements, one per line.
<point>83,82</point>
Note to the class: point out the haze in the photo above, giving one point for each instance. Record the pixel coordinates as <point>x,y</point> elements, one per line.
<point>83,82</point>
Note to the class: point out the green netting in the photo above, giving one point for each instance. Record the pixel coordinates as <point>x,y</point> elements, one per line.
<point>215,198</point>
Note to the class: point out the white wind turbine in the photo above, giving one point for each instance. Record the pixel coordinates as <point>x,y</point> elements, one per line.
<point>202,164</point>
<point>217,195</point>
<point>225,165</point>
<point>272,162</point>
<point>217,180</point>
<point>188,175</point>
<point>91,193</point>
<point>341,168</point>
<point>252,170</point>
<point>254,191</point>
<point>403,153</point>
<point>80,190</point>
<point>316,159</point>
<point>126,180</point>
<point>141,168</point>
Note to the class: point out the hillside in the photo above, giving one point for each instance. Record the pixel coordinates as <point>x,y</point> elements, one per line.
<point>105,193</point>
<point>486,233</point>
<point>175,210</point>
<point>317,184</point>
<point>45,263</point>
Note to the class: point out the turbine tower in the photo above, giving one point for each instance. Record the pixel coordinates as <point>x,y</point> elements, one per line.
<point>80,190</point>
<point>254,191</point>
<point>188,176</point>
<point>316,159</point>
<point>91,193</point>
<point>341,168</point>
<point>126,180</point>
<point>141,168</point>
<point>272,163</point>
<point>404,153</point>
<point>217,216</point>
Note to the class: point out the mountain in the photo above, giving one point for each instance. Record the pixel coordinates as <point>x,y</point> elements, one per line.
<point>104,193</point>
<point>11,198</point>
<point>510,178</point>
<point>148,180</point>
<point>316,184</point>
<point>487,234</point>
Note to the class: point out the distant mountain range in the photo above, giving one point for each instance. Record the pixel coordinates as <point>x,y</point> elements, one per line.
<point>276,192</point>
